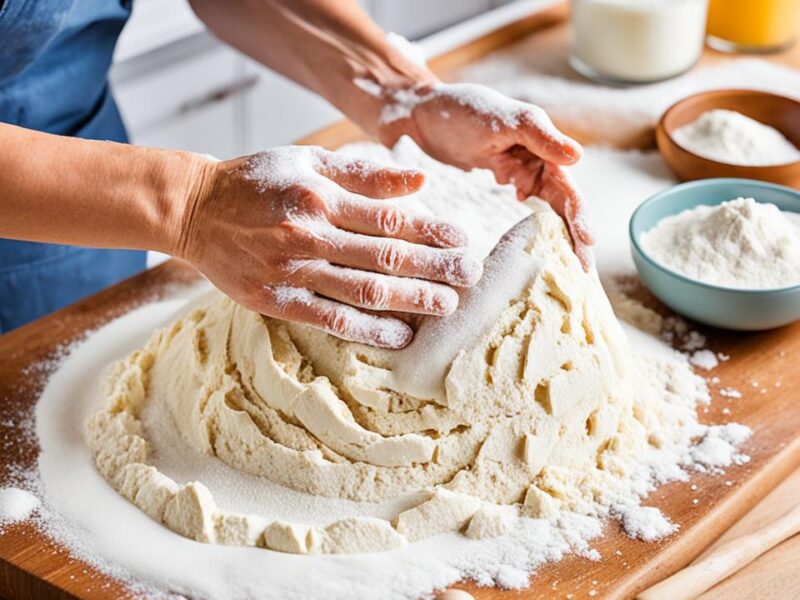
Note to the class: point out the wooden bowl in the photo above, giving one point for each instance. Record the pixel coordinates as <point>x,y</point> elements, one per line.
<point>770,109</point>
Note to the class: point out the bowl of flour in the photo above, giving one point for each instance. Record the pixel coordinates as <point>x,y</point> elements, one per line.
<point>724,252</point>
<point>733,133</point>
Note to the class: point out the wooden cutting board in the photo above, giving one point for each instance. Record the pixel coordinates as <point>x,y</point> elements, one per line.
<point>31,566</point>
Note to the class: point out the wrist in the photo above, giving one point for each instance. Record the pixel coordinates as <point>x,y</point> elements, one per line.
<point>380,86</point>
<point>186,182</point>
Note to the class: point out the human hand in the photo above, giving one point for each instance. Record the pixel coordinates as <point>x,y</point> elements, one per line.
<point>294,233</point>
<point>469,125</point>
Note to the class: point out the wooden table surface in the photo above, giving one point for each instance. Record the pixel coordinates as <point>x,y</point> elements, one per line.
<point>32,567</point>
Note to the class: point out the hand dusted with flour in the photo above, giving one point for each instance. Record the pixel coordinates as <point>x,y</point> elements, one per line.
<point>469,126</point>
<point>311,244</point>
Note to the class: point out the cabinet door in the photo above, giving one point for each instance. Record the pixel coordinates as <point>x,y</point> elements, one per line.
<point>415,18</point>
<point>208,129</point>
<point>192,102</point>
<point>278,111</point>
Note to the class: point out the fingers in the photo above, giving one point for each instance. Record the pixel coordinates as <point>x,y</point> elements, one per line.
<point>301,306</point>
<point>538,134</point>
<point>368,178</point>
<point>573,204</point>
<point>386,220</point>
<point>398,257</point>
<point>375,291</point>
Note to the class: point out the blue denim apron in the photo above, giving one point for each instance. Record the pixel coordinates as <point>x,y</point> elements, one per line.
<point>54,61</point>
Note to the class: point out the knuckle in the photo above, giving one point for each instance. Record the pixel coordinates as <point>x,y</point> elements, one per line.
<point>372,293</point>
<point>290,233</point>
<point>301,200</point>
<point>298,238</point>
<point>391,221</point>
<point>337,322</point>
<point>391,257</point>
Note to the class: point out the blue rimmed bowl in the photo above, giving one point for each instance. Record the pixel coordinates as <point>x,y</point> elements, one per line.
<point>730,308</point>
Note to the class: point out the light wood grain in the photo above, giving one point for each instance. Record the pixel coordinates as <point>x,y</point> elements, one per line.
<point>31,567</point>
<point>690,582</point>
<point>775,575</point>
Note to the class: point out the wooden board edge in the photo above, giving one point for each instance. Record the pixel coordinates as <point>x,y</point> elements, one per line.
<point>17,583</point>
<point>723,515</point>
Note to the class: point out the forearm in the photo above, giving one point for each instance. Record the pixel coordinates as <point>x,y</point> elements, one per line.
<point>90,193</point>
<point>326,46</point>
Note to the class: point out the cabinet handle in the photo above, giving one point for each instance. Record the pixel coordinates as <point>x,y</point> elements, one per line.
<point>218,95</point>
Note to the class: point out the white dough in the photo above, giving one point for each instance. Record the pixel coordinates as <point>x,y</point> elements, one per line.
<point>530,374</point>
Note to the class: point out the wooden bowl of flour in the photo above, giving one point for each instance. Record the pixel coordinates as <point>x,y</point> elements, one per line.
<point>775,111</point>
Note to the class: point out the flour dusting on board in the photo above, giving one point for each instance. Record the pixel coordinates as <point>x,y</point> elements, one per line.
<point>83,511</point>
<point>525,72</point>
<point>16,505</point>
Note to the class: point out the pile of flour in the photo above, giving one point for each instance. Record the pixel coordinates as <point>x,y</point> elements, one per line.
<point>82,511</point>
<point>731,137</point>
<point>739,244</point>
<point>16,505</point>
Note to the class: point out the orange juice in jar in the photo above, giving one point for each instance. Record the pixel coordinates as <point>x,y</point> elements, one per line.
<point>752,25</point>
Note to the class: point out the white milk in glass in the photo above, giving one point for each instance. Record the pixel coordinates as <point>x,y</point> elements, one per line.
<point>636,41</point>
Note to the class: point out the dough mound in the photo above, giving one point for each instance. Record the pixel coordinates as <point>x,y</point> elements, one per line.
<point>523,397</point>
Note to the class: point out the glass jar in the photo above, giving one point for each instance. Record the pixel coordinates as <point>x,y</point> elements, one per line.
<point>752,25</point>
<point>636,41</point>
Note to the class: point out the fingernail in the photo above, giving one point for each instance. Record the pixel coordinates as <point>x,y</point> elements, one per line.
<point>445,302</point>
<point>467,270</point>
<point>574,152</point>
<point>392,334</point>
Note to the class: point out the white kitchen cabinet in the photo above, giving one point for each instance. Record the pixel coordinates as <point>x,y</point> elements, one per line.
<point>191,101</point>
<point>415,18</point>
<point>210,129</point>
<point>277,111</point>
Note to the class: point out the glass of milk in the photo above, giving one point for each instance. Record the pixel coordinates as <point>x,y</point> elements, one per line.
<point>636,41</point>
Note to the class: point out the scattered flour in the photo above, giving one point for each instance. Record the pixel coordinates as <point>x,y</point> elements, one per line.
<point>718,448</point>
<point>730,137</point>
<point>16,505</point>
<point>646,523</point>
<point>739,244</point>
<point>545,78</point>
<point>705,359</point>
<point>84,512</point>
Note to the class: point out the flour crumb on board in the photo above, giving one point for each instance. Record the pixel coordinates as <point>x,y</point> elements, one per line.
<point>719,448</point>
<point>705,359</point>
<point>646,523</point>
<point>16,505</point>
